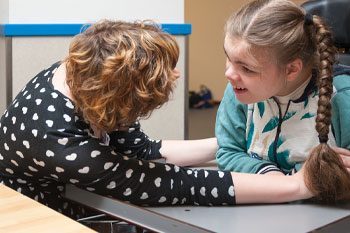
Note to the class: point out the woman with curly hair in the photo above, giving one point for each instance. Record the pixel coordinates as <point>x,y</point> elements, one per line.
<point>77,123</point>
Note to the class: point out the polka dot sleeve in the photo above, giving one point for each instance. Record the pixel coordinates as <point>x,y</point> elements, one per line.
<point>133,142</point>
<point>100,169</point>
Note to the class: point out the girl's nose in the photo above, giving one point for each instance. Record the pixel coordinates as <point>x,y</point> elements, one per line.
<point>230,73</point>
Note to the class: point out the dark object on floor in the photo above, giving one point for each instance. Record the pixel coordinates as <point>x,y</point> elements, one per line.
<point>202,99</point>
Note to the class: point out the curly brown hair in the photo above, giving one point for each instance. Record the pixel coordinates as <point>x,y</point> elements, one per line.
<point>282,26</point>
<point>120,71</point>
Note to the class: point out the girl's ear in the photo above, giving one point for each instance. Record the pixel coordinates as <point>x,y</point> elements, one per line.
<point>293,69</point>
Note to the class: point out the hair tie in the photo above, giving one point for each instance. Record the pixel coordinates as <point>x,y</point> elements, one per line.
<point>308,19</point>
<point>323,138</point>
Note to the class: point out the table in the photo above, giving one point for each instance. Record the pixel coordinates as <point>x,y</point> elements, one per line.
<point>273,218</point>
<point>286,218</point>
<point>19,213</point>
<point>300,216</point>
<point>135,215</point>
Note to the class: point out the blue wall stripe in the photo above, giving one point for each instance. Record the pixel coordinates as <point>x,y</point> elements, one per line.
<point>177,29</point>
<point>13,30</point>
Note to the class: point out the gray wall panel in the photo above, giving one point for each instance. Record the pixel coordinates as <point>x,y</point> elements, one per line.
<point>2,74</point>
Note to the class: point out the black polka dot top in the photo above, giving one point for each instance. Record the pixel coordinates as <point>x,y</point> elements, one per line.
<point>45,144</point>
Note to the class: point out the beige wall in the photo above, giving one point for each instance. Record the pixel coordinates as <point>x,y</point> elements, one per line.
<point>206,56</point>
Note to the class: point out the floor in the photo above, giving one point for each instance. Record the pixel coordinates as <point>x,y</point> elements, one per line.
<point>201,123</point>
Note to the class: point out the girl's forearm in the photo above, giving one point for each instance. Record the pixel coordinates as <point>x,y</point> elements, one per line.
<point>189,152</point>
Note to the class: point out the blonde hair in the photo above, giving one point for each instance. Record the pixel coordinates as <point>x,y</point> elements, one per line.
<point>281,26</point>
<point>119,71</point>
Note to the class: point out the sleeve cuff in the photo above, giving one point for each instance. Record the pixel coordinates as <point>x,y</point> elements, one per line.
<point>268,168</point>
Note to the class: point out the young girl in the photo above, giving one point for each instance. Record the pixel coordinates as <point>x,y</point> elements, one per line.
<point>279,67</point>
<point>74,123</point>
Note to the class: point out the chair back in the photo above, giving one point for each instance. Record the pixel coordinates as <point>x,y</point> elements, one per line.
<point>336,13</point>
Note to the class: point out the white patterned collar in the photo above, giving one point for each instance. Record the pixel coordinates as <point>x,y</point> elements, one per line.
<point>283,100</point>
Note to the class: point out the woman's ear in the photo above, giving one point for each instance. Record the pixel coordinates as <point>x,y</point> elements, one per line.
<point>293,69</point>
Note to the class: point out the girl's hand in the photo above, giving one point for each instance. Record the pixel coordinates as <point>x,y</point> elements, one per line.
<point>345,155</point>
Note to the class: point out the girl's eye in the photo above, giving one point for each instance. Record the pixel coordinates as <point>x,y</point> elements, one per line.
<point>247,70</point>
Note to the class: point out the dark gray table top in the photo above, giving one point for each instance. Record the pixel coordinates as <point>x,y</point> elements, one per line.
<point>291,217</point>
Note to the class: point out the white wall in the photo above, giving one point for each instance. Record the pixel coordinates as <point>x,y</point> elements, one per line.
<point>4,11</point>
<point>85,11</point>
<point>32,54</point>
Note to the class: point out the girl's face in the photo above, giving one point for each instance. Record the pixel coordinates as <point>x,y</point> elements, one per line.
<point>254,75</point>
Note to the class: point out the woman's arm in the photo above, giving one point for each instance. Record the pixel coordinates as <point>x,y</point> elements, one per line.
<point>252,188</point>
<point>133,142</point>
<point>189,152</point>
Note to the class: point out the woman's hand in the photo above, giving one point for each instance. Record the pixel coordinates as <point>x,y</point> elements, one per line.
<point>344,155</point>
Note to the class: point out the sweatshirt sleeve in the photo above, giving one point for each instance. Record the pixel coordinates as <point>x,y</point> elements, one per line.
<point>230,131</point>
<point>341,111</point>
